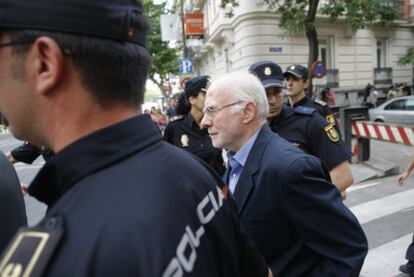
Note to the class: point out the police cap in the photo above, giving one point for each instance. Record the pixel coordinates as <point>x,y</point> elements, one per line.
<point>269,73</point>
<point>112,19</point>
<point>298,71</point>
<point>195,85</point>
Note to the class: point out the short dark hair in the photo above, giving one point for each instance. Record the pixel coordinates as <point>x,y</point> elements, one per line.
<point>113,71</point>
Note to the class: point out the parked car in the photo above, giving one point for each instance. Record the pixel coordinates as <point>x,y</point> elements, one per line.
<point>397,110</point>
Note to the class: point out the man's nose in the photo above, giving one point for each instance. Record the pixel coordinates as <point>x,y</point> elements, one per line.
<point>205,121</point>
<point>271,98</point>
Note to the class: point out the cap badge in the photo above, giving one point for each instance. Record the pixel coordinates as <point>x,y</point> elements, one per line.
<point>267,71</point>
<point>184,140</point>
<point>292,67</point>
<point>130,32</point>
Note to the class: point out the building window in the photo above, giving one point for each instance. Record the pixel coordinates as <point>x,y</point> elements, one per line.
<point>327,51</point>
<point>382,53</point>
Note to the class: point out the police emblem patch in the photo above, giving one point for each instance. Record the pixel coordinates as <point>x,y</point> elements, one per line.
<point>267,71</point>
<point>184,140</point>
<point>31,249</point>
<point>332,133</point>
<point>330,118</point>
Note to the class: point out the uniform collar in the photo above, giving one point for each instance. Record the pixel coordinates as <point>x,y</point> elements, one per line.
<point>189,120</point>
<point>277,121</point>
<point>301,102</point>
<point>90,154</point>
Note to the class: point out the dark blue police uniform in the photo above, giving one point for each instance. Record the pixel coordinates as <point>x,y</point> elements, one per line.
<point>130,204</point>
<point>27,153</point>
<point>183,132</point>
<point>320,106</point>
<point>12,207</point>
<point>306,129</point>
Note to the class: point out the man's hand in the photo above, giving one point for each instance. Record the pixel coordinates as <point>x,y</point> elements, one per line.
<point>25,188</point>
<point>11,158</point>
<point>402,177</point>
<point>270,273</point>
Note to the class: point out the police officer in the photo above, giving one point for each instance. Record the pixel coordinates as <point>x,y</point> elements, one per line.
<point>184,130</point>
<point>297,81</point>
<point>121,201</point>
<point>304,127</point>
<point>28,152</point>
<point>12,207</point>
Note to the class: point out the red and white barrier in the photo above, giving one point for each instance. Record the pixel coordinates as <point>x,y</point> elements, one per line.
<point>384,132</point>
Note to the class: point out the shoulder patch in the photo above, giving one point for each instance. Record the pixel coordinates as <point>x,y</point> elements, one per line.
<point>304,110</point>
<point>31,249</point>
<point>320,102</point>
<point>331,119</point>
<point>177,117</point>
<point>332,133</point>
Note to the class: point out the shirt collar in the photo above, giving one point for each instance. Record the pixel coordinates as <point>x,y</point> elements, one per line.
<point>301,102</point>
<point>90,154</point>
<point>241,155</point>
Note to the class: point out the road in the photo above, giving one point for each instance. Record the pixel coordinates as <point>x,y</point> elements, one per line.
<point>385,210</point>
<point>35,210</point>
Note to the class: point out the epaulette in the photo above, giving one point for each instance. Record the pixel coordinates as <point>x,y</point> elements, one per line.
<point>31,249</point>
<point>177,117</point>
<point>304,110</point>
<point>320,102</point>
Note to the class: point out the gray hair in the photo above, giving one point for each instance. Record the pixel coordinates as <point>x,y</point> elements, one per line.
<point>244,86</point>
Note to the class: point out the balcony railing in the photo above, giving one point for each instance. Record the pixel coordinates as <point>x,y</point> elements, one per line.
<point>383,76</point>
<point>332,78</point>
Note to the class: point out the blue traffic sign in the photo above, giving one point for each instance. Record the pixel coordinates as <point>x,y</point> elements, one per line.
<point>186,66</point>
<point>318,69</point>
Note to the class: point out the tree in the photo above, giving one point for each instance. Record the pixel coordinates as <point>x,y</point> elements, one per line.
<point>408,58</point>
<point>299,16</point>
<point>164,59</point>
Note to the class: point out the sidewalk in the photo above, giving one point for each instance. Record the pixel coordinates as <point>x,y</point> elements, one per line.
<point>386,158</point>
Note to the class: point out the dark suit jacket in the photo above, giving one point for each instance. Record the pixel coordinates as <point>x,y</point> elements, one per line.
<point>13,212</point>
<point>294,214</point>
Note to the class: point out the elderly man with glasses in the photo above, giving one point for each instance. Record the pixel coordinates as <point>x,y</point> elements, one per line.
<point>285,201</point>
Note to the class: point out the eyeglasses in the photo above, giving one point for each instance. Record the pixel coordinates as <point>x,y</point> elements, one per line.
<point>25,40</point>
<point>18,41</point>
<point>211,111</point>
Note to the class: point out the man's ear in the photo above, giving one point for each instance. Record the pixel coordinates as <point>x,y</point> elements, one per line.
<point>250,111</point>
<point>307,83</point>
<point>47,60</point>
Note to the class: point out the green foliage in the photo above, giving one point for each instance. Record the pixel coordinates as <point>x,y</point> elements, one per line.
<point>164,59</point>
<point>360,13</point>
<point>296,16</point>
<point>299,16</point>
<point>408,58</point>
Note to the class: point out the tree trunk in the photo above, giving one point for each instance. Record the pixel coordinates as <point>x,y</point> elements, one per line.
<point>312,37</point>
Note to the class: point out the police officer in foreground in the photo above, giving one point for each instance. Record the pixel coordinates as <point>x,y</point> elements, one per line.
<point>184,130</point>
<point>12,207</point>
<point>121,201</point>
<point>304,127</point>
<point>297,79</point>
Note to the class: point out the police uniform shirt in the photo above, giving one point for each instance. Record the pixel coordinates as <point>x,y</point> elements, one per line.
<point>306,129</point>
<point>133,205</point>
<point>183,132</point>
<point>322,108</point>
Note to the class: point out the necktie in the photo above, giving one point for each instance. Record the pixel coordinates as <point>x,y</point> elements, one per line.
<point>234,173</point>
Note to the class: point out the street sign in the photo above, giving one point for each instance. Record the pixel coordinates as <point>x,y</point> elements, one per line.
<point>186,66</point>
<point>318,69</point>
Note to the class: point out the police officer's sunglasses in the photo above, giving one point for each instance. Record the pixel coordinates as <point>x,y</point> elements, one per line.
<point>28,40</point>
<point>19,41</point>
